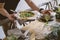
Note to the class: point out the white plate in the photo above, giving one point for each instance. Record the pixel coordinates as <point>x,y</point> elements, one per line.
<point>37,15</point>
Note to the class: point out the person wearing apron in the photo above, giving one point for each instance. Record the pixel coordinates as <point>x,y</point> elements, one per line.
<point>6,14</point>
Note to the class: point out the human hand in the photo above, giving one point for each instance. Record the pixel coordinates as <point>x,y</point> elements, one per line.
<point>11,17</point>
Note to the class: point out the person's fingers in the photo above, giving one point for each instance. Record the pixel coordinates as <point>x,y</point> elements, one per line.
<point>12,15</point>
<point>11,18</point>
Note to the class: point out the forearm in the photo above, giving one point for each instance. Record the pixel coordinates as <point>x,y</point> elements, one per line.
<point>32,5</point>
<point>4,12</point>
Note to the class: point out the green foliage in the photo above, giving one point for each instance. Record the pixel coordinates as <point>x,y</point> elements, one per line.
<point>26,14</point>
<point>57,15</point>
<point>11,37</point>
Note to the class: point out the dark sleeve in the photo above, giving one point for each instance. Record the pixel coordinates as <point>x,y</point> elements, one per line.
<point>11,5</point>
<point>1,1</point>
